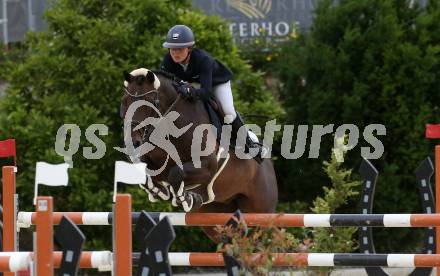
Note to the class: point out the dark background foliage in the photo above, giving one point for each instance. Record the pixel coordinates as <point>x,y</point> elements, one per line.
<point>367,62</point>
<point>363,62</point>
<point>72,74</point>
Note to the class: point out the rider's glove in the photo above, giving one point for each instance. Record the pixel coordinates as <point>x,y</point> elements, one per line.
<point>187,91</point>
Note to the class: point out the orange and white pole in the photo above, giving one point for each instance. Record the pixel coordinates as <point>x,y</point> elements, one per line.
<point>122,235</point>
<point>9,210</point>
<point>20,261</point>
<point>432,131</point>
<point>437,199</point>
<point>44,237</point>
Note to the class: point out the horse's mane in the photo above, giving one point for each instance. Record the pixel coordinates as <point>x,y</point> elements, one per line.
<point>166,78</point>
<point>165,74</point>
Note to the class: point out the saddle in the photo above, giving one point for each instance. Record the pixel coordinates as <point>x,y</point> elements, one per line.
<point>214,109</point>
<point>216,114</point>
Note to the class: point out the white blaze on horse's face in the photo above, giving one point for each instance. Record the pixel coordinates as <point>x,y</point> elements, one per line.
<point>144,72</point>
<point>140,84</point>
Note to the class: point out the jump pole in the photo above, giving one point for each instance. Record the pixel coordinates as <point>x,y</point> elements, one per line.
<point>437,200</point>
<point>19,261</point>
<point>44,237</point>
<point>43,251</point>
<point>121,232</point>
<point>209,259</point>
<point>122,236</point>
<point>432,131</point>
<point>26,219</point>
<point>10,200</point>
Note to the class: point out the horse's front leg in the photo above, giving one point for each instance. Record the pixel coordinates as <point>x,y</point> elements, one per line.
<point>179,179</point>
<point>156,191</point>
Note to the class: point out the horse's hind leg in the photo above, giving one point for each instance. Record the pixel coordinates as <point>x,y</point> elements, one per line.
<point>215,207</point>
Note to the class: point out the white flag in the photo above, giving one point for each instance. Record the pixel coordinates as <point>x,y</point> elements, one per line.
<point>129,173</point>
<point>50,175</point>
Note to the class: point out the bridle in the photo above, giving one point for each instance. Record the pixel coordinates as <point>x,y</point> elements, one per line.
<point>136,95</point>
<point>156,102</point>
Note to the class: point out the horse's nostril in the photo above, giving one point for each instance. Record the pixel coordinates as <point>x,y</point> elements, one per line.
<point>136,144</point>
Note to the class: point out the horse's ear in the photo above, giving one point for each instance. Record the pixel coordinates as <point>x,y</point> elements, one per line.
<point>127,76</point>
<point>150,76</point>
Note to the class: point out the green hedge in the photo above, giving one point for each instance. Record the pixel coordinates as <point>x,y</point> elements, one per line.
<point>365,62</point>
<point>72,73</point>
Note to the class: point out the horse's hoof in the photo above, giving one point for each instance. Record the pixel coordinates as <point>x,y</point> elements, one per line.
<point>192,202</point>
<point>188,203</point>
<point>198,200</point>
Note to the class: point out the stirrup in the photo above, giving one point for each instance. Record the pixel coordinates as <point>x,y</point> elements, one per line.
<point>262,151</point>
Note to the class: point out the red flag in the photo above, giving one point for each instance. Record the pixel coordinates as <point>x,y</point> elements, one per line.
<point>432,131</point>
<point>7,149</point>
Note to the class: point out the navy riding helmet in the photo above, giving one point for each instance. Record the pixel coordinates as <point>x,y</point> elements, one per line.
<point>179,36</point>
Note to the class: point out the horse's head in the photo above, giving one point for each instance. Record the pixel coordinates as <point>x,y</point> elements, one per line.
<point>145,96</point>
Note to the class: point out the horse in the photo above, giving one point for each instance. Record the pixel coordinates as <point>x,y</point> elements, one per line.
<point>221,183</point>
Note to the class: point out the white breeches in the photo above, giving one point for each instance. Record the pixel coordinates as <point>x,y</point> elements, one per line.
<point>223,95</point>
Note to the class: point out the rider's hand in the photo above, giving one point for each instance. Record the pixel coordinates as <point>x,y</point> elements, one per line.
<point>187,92</point>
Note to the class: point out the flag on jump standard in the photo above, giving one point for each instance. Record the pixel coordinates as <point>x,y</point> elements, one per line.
<point>50,175</point>
<point>129,173</point>
<point>432,131</point>
<point>7,149</point>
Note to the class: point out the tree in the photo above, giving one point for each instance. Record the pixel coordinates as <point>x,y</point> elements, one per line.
<point>367,62</point>
<point>72,73</point>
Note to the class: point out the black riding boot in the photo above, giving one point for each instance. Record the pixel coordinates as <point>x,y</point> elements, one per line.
<point>250,144</point>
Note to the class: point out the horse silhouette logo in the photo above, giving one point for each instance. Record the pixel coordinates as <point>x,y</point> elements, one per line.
<point>256,9</point>
<point>164,127</point>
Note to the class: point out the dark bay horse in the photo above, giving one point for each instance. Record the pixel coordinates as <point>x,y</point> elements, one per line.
<point>220,183</point>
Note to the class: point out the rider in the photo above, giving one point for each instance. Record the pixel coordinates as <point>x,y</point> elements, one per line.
<point>191,64</point>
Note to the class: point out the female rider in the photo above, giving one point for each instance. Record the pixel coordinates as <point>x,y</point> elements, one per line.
<point>194,65</point>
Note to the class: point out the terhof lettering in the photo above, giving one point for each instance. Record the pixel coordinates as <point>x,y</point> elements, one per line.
<point>272,20</point>
<point>256,29</point>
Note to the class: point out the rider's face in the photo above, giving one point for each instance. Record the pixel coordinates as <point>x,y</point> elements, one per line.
<point>179,54</point>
